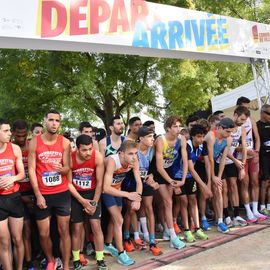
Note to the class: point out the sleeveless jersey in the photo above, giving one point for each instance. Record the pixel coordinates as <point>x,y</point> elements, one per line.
<point>84,175</point>
<point>25,184</point>
<point>50,181</point>
<point>170,154</point>
<point>264,132</point>
<point>7,168</point>
<point>109,150</point>
<point>119,173</point>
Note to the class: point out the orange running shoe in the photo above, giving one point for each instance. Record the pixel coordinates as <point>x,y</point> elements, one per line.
<point>51,265</point>
<point>128,246</point>
<point>139,244</point>
<point>83,260</point>
<point>176,228</point>
<point>156,251</point>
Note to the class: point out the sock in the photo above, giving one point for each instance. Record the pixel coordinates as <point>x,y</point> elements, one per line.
<point>248,211</point>
<point>139,227</point>
<point>263,206</point>
<point>136,236</point>
<point>76,255</point>
<point>99,255</point>
<point>166,229</point>
<point>152,238</point>
<point>204,218</point>
<point>172,233</point>
<point>143,222</point>
<point>220,220</point>
<point>268,206</point>
<point>226,212</point>
<point>160,227</point>
<point>236,211</point>
<point>107,244</point>
<point>255,207</point>
<point>126,235</point>
<point>146,236</point>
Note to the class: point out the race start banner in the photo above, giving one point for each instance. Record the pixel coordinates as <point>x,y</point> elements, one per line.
<point>130,27</point>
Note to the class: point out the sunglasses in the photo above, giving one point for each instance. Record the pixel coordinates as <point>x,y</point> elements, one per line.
<point>268,113</point>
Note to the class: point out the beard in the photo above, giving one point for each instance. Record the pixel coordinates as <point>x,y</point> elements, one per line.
<point>118,132</point>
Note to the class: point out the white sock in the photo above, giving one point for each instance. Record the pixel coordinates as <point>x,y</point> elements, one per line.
<point>166,228</point>
<point>263,206</point>
<point>204,218</point>
<point>139,227</point>
<point>160,227</point>
<point>220,220</point>
<point>248,211</point>
<point>172,233</point>
<point>268,206</point>
<point>255,208</point>
<point>144,225</point>
<point>136,236</point>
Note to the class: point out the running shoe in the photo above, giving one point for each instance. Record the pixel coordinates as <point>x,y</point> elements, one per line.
<point>101,265</point>
<point>176,228</point>
<point>111,250</point>
<point>124,259</point>
<point>260,217</point>
<point>166,235</point>
<point>128,245</point>
<point>177,243</point>
<point>201,234</point>
<point>205,225</point>
<point>228,222</point>
<point>189,237</point>
<point>139,244</point>
<point>238,221</point>
<point>89,249</point>
<point>192,227</point>
<point>83,260</point>
<point>252,220</point>
<point>77,265</point>
<point>43,263</point>
<point>51,265</point>
<point>265,212</point>
<point>222,228</point>
<point>156,251</point>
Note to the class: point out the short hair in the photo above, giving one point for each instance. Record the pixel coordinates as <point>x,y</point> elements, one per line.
<point>100,134</point>
<point>111,121</point>
<point>132,120</point>
<point>3,121</point>
<point>34,125</point>
<point>197,129</point>
<point>19,124</point>
<point>170,121</point>
<point>192,118</point>
<point>242,100</point>
<point>148,123</point>
<point>265,107</point>
<point>51,111</point>
<point>203,122</point>
<point>217,113</point>
<point>84,124</point>
<point>128,144</point>
<point>212,118</point>
<point>83,139</point>
<point>242,110</point>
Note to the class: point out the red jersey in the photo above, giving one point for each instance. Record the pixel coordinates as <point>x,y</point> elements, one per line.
<point>25,184</point>
<point>7,168</point>
<point>49,180</point>
<point>84,175</point>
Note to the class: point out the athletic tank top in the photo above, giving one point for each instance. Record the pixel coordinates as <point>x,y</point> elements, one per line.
<point>109,150</point>
<point>84,175</point>
<point>170,154</point>
<point>25,184</point>
<point>119,173</point>
<point>50,181</point>
<point>219,148</point>
<point>7,168</point>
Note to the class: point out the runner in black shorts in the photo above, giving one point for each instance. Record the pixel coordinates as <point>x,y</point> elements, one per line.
<point>85,184</point>
<point>11,207</point>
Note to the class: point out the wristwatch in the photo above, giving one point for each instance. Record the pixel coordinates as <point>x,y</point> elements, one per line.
<point>93,203</point>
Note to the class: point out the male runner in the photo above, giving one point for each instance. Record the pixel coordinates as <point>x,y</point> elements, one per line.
<point>11,207</point>
<point>117,167</point>
<point>264,132</point>
<point>134,124</point>
<point>19,131</point>
<point>85,184</point>
<point>87,129</point>
<point>36,129</point>
<point>48,165</point>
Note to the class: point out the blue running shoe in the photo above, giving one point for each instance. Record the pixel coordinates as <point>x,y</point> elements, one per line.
<point>205,225</point>
<point>177,243</point>
<point>111,250</point>
<point>124,259</point>
<point>222,228</point>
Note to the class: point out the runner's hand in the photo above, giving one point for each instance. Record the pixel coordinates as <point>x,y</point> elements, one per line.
<point>207,191</point>
<point>58,167</point>
<point>239,164</point>
<point>6,181</point>
<point>177,184</point>
<point>87,207</point>
<point>41,202</point>
<point>134,196</point>
<point>155,186</point>
<point>242,174</point>
<point>217,181</point>
<point>135,206</point>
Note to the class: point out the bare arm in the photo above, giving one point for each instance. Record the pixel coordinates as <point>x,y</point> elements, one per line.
<point>96,145</point>
<point>99,175</point>
<point>256,135</point>
<point>136,172</point>
<point>19,164</point>
<point>207,169</point>
<point>184,157</point>
<point>102,146</point>
<point>210,147</point>
<point>64,168</point>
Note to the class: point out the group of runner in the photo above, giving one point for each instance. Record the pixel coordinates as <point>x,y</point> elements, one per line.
<point>106,191</point>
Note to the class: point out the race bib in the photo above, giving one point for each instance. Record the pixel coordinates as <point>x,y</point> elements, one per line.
<point>143,173</point>
<point>250,144</point>
<point>235,144</point>
<point>167,163</point>
<point>51,179</point>
<point>84,182</point>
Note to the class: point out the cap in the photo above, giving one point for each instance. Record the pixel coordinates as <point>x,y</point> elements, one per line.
<point>227,123</point>
<point>144,131</point>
